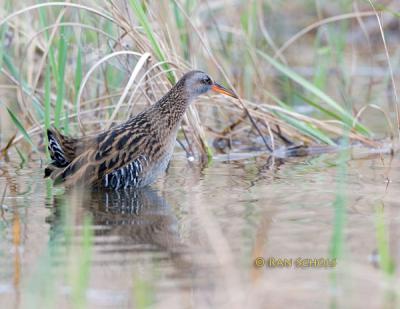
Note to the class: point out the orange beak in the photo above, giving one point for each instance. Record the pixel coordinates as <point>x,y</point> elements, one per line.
<point>218,88</point>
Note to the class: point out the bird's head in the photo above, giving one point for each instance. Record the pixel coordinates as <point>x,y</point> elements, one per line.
<point>196,83</point>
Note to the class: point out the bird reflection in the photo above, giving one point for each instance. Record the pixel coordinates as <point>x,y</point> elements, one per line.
<point>131,220</point>
<point>130,228</point>
<point>136,217</point>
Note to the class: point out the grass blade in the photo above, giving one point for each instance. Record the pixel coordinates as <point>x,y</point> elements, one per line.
<point>301,125</point>
<point>14,72</point>
<point>339,205</point>
<point>322,109</point>
<point>20,127</point>
<point>145,23</point>
<point>81,274</point>
<point>62,59</point>
<point>51,57</point>
<point>386,262</point>
<point>306,129</point>
<point>47,90</point>
<point>345,117</point>
<point>3,31</point>
<point>78,77</point>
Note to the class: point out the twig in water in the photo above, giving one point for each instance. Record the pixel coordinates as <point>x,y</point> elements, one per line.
<point>4,151</point>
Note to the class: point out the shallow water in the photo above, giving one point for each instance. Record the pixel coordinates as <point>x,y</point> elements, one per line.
<point>191,239</point>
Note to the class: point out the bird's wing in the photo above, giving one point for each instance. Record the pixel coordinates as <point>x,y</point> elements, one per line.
<point>113,150</point>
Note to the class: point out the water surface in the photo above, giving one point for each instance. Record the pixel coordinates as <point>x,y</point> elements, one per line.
<point>190,240</point>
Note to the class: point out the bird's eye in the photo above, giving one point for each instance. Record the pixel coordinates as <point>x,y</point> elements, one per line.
<point>207,80</point>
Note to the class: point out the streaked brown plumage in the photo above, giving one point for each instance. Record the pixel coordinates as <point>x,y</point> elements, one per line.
<point>133,153</point>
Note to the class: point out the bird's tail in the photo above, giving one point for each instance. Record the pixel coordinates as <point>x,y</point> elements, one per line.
<point>61,150</point>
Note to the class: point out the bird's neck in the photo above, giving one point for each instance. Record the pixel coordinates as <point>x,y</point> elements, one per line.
<point>172,106</point>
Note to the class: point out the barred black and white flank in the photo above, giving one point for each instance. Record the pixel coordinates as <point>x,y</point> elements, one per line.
<point>133,153</point>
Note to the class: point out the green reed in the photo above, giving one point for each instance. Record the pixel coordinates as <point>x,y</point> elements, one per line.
<point>339,206</point>
<point>143,293</point>
<point>60,83</point>
<point>138,9</point>
<point>79,278</point>
<point>336,110</point>
<point>386,261</point>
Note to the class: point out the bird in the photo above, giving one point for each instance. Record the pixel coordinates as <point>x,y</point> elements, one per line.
<point>134,153</point>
